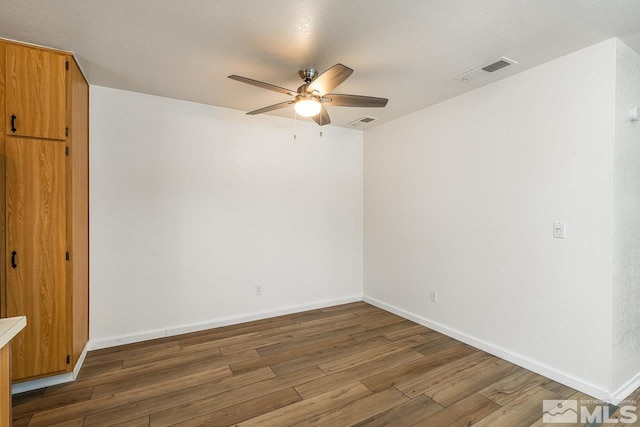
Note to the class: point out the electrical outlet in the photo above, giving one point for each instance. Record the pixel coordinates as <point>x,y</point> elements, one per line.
<point>434,296</point>
<point>258,289</point>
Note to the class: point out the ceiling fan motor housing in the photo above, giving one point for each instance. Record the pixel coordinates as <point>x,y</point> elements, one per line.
<point>308,74</point>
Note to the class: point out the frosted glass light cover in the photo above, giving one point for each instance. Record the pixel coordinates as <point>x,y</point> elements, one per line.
<point>307,107</point>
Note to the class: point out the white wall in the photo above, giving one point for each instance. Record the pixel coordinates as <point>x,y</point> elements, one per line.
<point>193,205</point>
<point>461,198</point>
<point>626,237</point>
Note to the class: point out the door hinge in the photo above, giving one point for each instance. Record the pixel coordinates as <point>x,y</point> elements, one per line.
<point>68,359</point>
<point>66,65</point>
<point>66,131</point>
<point>66,151</point>
<point>67,256</point>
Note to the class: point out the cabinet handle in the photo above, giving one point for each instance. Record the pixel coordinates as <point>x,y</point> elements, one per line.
<point>13,123</point>
<point>13,259</point>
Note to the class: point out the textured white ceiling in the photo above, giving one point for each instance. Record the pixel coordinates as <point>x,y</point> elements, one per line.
<point>406,50</point>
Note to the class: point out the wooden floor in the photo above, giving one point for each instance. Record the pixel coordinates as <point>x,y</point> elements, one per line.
<point>347,365</point>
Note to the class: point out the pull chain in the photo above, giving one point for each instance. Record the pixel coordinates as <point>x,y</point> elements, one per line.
<point>295,124</point>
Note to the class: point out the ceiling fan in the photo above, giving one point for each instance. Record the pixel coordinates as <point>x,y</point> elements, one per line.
<point>310,98</point>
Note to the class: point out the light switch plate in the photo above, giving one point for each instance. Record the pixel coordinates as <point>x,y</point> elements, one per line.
<point>560,230</point>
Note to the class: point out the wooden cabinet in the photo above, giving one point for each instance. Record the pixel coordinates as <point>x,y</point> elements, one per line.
<point>44,207</point>
<point>36,83</point>
<point>36,246</point>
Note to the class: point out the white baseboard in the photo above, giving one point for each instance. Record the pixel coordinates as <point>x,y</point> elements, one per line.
<point>518,359</point>
<point>96,344</point>
<point>627,388</point>
<point>83,355</point>
<point>53,380</point>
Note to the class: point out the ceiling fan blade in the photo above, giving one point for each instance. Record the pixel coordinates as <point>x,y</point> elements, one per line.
<point>263,85</point>
<point>330,79</point>
<point>322,118</point>
<point>271,108</point>
<point>336,100</point>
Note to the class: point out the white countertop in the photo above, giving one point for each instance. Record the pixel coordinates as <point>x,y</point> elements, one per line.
<point>10,327</point>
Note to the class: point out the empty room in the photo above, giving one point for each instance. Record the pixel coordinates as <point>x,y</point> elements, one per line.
<point>329,212</point>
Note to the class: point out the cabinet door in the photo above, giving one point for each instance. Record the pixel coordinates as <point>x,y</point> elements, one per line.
<point>36,92</point>
<point>36,249</point>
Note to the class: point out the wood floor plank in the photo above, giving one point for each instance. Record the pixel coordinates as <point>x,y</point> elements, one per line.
<point>382,330</point>
<point>245,410</point>
<point>463,413</point>
<point>178,392</point>
<point>249,338</point>
<point>325,355</point>
<point>358,410</point>
<point>295,330</point>
<point>361,320</point>
<point>30,407</point>
<point>137,346</point>
<point>304,313</point>
<point>340,379</point>
<point>151,378</point>
<point>449,392</point>
<point>309,347</point>
<point>138,422</point>
<point>560,389</point>
<point>365,311</point>
<point>194,408</point>
<point>437,342</point>
<point>78,422</point>
<point>407,332</point>
<point>152,358</point>
<point>325,318</point>
<point>277,339</point>
<point>92,406</point>
<point>292,345</point>
<point>127,374</point>
<point>148,357</point>
<point>22,398</point>
<point>420,381</point>
<point>129,350</point>
<point>99,368</point>
<point>387,320</point>
<point>21,422</point>
<point>512,386</point>
<point>325,323</point>
<point>382,379</point>
<point>232,331</point>
<point>305,409</point>
<point>379,370</point>
<point>635,395</point>
<point>522,411</point>
<point>261,325</point>
<point>361,357</point>
<point>350,307</point>
<point>405,414</point>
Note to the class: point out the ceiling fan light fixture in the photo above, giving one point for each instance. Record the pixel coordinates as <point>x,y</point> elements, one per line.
<point>307,107</point>
<point>309,99</point>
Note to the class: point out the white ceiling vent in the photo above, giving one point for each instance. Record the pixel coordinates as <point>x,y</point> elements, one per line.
<point>362,121</point>
<point>486,69</point>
